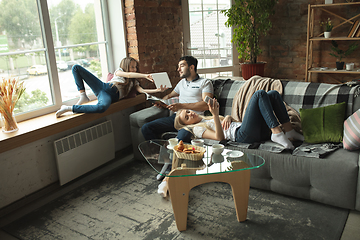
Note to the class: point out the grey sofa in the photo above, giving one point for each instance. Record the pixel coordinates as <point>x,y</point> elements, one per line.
<point>332,180</point>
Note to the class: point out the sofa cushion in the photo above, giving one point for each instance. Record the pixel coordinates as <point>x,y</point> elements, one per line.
<point>224,92</point>
<point>313,95</point>
<point>139,118</point>
<point>331,181</point>
<point>351,140</point>
<point>324,124</point>
<point>109,77</point>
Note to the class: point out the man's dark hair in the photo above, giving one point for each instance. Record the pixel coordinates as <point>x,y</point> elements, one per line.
<point>190,60</point>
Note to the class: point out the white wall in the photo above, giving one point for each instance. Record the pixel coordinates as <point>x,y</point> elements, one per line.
<point>116,33</point>
<point>30,168</point>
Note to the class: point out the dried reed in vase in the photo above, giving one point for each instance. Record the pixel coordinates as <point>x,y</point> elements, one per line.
<point>10,92</point>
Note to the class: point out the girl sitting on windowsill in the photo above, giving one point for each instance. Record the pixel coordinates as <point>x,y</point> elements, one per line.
<point>117,88</point>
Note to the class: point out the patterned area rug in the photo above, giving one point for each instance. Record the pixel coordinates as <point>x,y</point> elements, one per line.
<point>125,205</point>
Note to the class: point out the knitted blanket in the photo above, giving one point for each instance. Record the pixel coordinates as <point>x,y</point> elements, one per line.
<point>242,97</point>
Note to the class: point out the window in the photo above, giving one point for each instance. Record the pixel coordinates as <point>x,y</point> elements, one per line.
<point>78,34</point>
<point>206,36</point>
<point>40,40</point>
<point>213,75</point>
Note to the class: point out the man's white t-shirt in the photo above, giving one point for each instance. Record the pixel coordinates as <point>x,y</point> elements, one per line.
<point>191,92</point>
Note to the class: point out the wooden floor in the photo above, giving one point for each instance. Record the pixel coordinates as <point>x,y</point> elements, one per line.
<point>351,230</point>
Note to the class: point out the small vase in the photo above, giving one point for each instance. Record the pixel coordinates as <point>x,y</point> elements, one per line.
<point>9,123</point>
<point>339,65</point>
<point>327,34</point>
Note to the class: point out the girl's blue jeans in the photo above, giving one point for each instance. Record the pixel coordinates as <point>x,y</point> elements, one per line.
<point>265,111</point>
<point>103,91</point>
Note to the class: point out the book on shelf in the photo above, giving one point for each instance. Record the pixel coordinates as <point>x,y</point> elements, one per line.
<point>156,100</point>
<point>358,32</point>
<point>354,29</point>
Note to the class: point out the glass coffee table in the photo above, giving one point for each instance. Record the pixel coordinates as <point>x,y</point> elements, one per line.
<point>232,167</point>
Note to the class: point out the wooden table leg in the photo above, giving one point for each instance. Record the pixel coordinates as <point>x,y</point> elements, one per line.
<point>179,188</point>
<point>179,196</point>
<point>240,186</point>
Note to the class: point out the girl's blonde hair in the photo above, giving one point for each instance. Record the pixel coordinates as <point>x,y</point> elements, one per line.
<point>178,124</point>
<point>125,65</point>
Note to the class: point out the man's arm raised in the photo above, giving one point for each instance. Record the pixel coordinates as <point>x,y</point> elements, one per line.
<point>198,106</point>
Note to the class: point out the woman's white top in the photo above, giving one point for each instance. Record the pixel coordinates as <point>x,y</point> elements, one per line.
<point>229,133</point>
<point>116,79</point>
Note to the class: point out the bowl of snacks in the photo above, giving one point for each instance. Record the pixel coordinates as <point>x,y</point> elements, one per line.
<point>190,152</point>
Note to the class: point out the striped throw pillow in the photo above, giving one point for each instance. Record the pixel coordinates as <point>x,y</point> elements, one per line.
<point>351,139</point>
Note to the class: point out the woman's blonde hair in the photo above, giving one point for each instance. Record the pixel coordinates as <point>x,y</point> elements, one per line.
<point>178,124</point>
<point>125,66</point>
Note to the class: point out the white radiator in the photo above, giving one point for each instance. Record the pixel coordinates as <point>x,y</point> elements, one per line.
<point>84,151</point>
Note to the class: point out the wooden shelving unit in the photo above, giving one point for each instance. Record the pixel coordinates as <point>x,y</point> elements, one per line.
<point>311,38</point>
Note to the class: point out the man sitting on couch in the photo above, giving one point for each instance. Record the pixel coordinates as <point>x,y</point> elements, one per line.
<point>191,90</point>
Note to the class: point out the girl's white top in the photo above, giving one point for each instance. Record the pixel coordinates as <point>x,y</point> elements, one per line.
<point>229,133</point>
<point>121,88</point>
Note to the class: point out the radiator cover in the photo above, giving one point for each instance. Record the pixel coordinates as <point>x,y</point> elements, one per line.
<point>84,151</point>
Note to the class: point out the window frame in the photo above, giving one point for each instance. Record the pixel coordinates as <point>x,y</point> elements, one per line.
<point>49,50</point>
<point>235,69</point>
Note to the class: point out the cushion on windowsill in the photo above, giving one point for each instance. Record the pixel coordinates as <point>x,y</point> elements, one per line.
<point>109,77</point>
<point>351,140</point>
<point>324,124</point>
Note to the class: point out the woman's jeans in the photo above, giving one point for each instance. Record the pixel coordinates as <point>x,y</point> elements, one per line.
<point>103,91</point>
<point>262,113</point>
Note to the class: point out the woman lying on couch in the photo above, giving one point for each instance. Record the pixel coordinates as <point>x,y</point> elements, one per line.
<point>264,114</point>
<point>260,123</point>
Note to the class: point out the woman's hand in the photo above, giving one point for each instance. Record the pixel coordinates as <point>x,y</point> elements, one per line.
<point>162,89</point>
<point>149,77</point>
<point>214,107</point>
<point>218,134</point>
<point>226,122</point>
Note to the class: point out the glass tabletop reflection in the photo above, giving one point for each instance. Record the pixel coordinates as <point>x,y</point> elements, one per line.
<point>160,155</point>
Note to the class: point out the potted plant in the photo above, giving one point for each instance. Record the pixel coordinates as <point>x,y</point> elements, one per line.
<point>340,54</point>
<point>250,19</point>
<point>328,26</point>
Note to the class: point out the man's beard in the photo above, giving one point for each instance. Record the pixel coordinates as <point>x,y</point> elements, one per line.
<point>186,74</point>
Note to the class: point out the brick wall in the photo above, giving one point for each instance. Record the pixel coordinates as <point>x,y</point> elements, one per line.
<point>285,45</point>
<point>155,37</point>
<point>284,48</point>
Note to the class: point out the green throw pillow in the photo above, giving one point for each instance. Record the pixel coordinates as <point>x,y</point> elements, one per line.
<point>324,124</point>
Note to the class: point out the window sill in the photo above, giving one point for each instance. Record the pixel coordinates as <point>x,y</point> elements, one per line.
<point>40,127</point>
